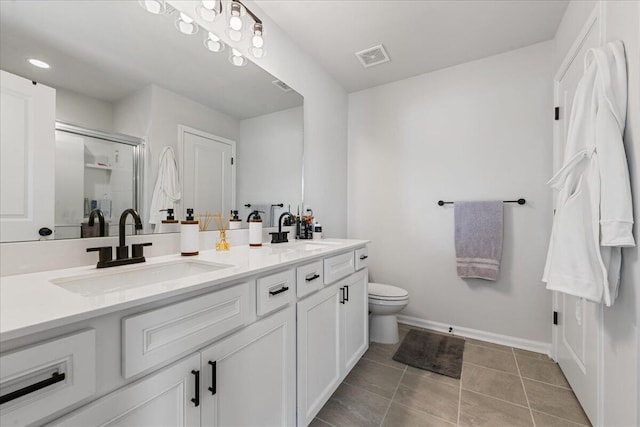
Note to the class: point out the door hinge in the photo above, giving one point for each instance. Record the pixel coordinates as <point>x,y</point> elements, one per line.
<point>555,317</point>
<point>232,161</point>
<point>556,113</point>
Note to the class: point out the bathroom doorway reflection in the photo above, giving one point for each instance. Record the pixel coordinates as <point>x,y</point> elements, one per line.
<point>94,170</point>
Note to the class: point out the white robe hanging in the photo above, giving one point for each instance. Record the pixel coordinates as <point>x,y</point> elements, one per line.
<point>166,193</point>
<point>594,217</point>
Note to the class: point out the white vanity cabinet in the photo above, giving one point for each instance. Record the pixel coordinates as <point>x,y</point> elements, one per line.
<point>333,334</point>
<point>249,379</point>
<point>160,399</point>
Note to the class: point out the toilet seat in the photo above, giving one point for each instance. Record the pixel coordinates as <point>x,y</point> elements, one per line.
<point>382,292</point>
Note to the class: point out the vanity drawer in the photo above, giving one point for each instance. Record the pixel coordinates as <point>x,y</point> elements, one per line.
<point>309,278</point>
<point>275,291</point>
<point>40,380</point>
<point>362,258</point>
<point>338,267</point>
<point>153,337</point>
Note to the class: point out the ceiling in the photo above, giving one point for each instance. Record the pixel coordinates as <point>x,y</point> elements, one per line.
<point>419,36</point>
<point>108,49</point>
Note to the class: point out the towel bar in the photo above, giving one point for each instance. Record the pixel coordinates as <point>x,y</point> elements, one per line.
<point>519,201</point>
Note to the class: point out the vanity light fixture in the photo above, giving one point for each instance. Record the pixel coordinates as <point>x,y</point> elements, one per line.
<point>157,7</point>
<point>257,42</point>
<point>235,21</point>
<point>38,63</point>
<point>186,25</point>
<point>236,58</point>
<point>213,43</point>
<point>208,10</point>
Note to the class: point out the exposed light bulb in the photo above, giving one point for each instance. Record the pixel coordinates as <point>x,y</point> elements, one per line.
<point>185,24</point>
<point>207,10</point>
<point>257,41</point>
<point>235,21</point>
<point>213,43</point>
<point>157,7</point>
<point>236,58</point>
<point>38,63</point>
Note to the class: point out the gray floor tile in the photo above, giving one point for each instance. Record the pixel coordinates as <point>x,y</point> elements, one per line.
<point>546,420</point>
<point>354,406</point>
<point>383,353</point>
<point>319,423</point>
<point>546,371</point>
<point>493,383</point>
<point>433,376</point>
<point>488,344</point>
<point>478,410</point>
<point>433,397</point>
<point>533,354</point>
<point>490,358</point>
<point>400,415</point>
<point>375,377</point>
<point>555,401</point>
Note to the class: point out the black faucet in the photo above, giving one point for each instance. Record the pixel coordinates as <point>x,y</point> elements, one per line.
<point>100,215</point>
<point>281,236</point>
<point>122,251</point>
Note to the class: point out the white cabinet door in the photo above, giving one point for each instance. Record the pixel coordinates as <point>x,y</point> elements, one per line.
<point>167,398</point>
<point>249,378</point>
<point>27,152</point>
<point>319,358</point>
<point>354,319</point>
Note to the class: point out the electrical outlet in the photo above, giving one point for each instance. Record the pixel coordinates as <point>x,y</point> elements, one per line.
<point>450,330</point>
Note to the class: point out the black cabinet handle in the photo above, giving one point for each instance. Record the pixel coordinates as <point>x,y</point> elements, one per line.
<point>196,400</point>
<point>279,291</point>
<point>212,389</point>
<point>312,278</point>
<point>347,297</point>
<point>342,300</point>
<point>363,257</point>
<point>55,378</point>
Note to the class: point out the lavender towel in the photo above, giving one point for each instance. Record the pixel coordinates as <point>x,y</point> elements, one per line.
<point>478,239</point>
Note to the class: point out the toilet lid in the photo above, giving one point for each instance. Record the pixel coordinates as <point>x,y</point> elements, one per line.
<point>381,291</point>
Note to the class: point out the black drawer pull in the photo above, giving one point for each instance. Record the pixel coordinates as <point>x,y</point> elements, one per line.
<point>312,278</point>
<point>196,400</point>
<point>347,297</point>
<point>279,291</point>
<point>363,257</point>
<point>212,389</point>
<point>55,378</point>
<point>342,300</point>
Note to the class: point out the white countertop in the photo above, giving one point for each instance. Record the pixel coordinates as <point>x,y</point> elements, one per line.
<point>30,303</point>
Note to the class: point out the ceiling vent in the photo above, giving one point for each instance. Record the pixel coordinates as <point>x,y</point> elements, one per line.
<point>282,85</point>
<point>373,56</point>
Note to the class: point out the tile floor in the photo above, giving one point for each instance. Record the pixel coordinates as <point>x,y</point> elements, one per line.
<point>500,386</point>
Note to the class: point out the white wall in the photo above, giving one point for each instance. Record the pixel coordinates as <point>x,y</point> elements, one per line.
<point>479,130</point>
<point>73,107</point>
<point>621,328</point>
<point>269,155</point>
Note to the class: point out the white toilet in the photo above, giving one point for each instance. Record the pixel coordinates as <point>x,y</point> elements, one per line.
<point>385,301</point>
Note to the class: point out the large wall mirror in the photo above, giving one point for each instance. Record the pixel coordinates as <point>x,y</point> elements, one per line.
<point>129,94</point>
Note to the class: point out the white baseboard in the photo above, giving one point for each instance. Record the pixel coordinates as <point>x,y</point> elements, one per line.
<point>524,344</point>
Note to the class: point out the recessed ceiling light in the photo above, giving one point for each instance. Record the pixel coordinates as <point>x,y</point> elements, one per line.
<point>38,63</point>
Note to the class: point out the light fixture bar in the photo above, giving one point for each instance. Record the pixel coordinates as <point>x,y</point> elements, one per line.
<point>251,14</point>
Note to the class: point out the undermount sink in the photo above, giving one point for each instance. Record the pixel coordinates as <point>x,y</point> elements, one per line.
<point>114,280</point>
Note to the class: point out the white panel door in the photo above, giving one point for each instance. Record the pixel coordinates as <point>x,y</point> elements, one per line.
<point>577,337</point>
<point>167,398</point>
<point>207,171</point>
<point>249,379</point>
<point>319,360</point>
<point>354,319</point>
<point>27,153</point>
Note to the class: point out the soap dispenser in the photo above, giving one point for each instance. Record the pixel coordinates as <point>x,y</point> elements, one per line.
<point>255,228</point>
<point>170,224</point>
<point>189,237</point>
<point>235,222</point>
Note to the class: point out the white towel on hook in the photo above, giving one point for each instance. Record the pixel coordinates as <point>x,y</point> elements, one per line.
<point>166,193</point>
